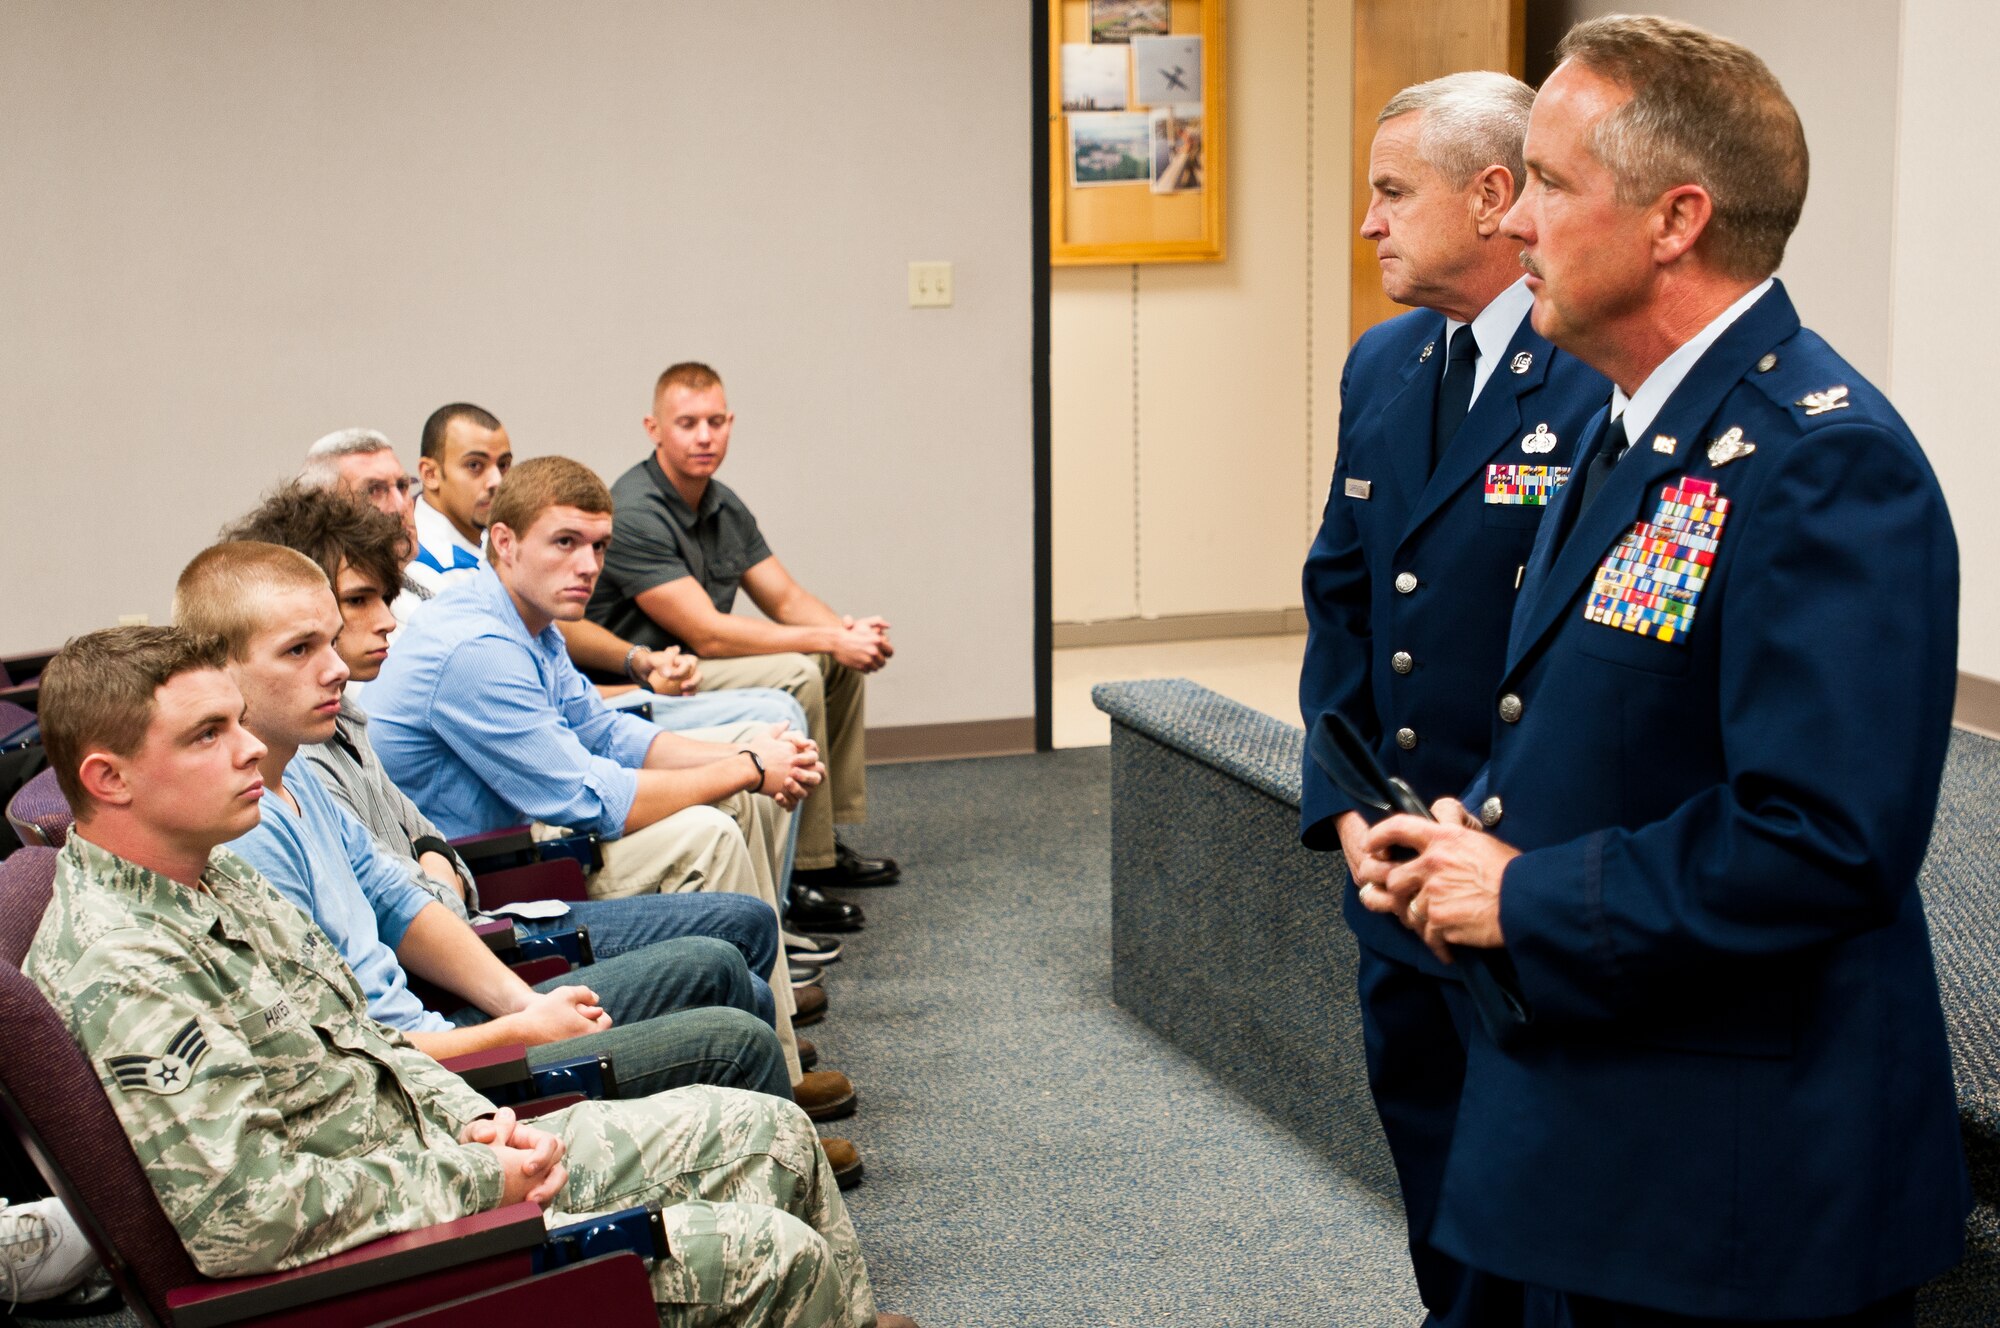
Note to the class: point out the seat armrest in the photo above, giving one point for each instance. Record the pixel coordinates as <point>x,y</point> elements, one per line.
<point>542,1106</point>
<point>614,1286</point>
<point>437,1263</point>
<point>558,878</point>
<point>498,933</point>
<point>572,944</point>
<point>586,849</point>
<point>541,970</point>
<point>492,849</point>
<point>25,668</point>
<point>495,1067</point>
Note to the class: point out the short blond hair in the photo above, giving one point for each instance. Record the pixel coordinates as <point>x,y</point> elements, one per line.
<point>692,375</point>
<point>222,591</point>
<point>533,486</point>
<point>1703,111</point>
<point>98,694</point>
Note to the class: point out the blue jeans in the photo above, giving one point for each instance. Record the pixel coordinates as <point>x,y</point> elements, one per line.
<point>714,710</point>
<point>681,1014</point>
<point>620,926</point>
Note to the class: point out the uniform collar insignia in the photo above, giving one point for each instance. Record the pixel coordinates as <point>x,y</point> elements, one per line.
<point>1729,447</point>
<point>1427,352</point>
<point>1819,403</point>
<point>1523,361</point>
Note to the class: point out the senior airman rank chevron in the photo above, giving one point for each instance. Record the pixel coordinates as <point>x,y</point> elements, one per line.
<point>1524,486</point>
<point>1652,580</point>
<point>167,1073</point>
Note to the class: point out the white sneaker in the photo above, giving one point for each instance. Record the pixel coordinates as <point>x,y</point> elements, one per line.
<point>42,1251</point>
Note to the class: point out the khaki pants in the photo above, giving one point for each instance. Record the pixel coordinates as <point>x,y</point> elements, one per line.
<point>709,848</point>
<point>834,698</point>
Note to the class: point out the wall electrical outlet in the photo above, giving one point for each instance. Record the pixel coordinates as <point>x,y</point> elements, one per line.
<point>135,620</point>
<point>930,285</point>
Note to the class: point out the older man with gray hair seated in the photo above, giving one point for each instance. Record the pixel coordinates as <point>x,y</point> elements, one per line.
<point>362,464</point>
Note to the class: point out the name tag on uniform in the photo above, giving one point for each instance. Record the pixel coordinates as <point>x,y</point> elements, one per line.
<point>1524,486</point>
<point>1360,489</point>
<point>1651,582</point>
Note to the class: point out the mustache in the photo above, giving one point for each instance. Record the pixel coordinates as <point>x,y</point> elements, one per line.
<point>1528,262</point>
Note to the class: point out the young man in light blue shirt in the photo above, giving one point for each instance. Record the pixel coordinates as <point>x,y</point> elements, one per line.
<point>273,607</point>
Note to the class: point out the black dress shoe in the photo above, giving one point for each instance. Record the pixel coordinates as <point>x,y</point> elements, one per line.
<point>813,911</point>
<point>851,871</point>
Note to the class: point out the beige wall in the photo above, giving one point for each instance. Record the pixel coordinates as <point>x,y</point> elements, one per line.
<point>1944,358</point>
<point>1224,370</point>
<point>232,226</point>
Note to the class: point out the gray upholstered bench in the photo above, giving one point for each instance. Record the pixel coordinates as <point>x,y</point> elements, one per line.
<point>1226,938</point>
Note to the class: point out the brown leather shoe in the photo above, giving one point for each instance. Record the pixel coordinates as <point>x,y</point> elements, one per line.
<point>808,1055</point>
<point>824,1095</point>
<point>808,1005</point>
<point>845,1159</point>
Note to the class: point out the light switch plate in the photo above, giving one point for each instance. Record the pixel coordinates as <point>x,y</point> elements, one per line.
<point>930,285</point>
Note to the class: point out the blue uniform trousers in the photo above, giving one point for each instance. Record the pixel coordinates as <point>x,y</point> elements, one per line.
<point>1557,1309</point>
<point>1415,1027</point>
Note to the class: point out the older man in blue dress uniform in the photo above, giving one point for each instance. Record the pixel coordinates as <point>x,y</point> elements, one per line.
<point>1457,426</point>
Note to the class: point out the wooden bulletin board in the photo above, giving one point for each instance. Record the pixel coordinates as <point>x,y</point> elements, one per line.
<point>1171,213</point>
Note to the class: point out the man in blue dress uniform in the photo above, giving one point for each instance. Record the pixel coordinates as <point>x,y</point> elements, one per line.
<point>1457,425</point>
<point>1716,749</point>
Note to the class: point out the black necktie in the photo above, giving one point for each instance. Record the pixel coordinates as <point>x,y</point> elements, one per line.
<point>1608,455</point>
<point>1455,393</point>
<point>1602,438</point>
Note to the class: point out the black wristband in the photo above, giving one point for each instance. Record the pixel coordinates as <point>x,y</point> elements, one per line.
<point>753,761</point>
<point>423,844</point>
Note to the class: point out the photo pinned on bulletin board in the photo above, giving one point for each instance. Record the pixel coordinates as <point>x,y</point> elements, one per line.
<point>1108,149</point>
<point>1176,141</point>
<point>1120,21</point>
<point>1166,70</point>
<point>1094,77</point>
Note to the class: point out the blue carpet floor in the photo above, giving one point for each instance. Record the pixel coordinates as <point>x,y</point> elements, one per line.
<point>1035,1156</point>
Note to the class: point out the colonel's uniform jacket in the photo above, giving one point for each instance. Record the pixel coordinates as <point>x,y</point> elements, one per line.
<point>1409,589</point>
<point>278,1124</point>
<point>1718,737</point>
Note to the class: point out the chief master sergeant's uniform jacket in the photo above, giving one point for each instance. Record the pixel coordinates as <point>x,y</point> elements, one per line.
<point>1718,739</point>
<point>1411,582</point>
<point>279,1124</point>
<point>1408,592</point>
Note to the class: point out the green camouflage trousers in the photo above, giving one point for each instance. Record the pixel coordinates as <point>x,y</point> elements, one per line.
<point>756,1230</point>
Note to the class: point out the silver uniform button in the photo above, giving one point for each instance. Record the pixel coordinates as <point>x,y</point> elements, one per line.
<point>1405,582</point>
<point>1406,738</point>
<point>1490,812</point>
<point>1401,661</point>
<point>1510,708</point>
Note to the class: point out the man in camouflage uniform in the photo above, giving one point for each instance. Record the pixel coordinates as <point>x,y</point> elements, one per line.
<point>276,1121</point>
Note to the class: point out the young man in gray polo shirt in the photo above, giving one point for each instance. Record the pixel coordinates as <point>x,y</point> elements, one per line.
<point>683,544</point>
